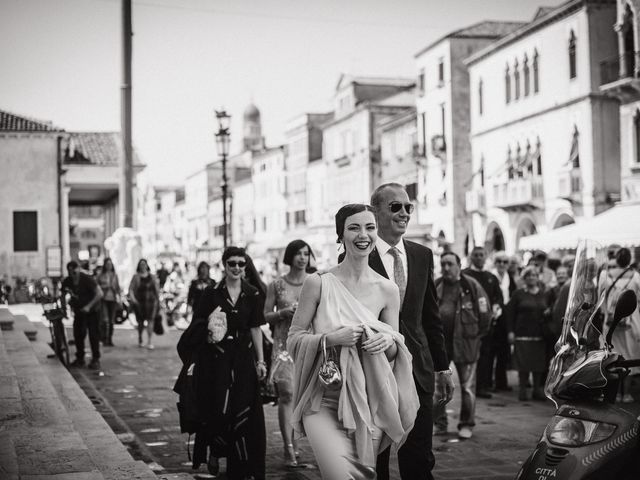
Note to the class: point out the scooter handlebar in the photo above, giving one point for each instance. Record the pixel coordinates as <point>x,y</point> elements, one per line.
<point>627,363</point>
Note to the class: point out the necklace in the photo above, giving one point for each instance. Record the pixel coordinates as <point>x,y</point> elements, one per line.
<point>292,283</point>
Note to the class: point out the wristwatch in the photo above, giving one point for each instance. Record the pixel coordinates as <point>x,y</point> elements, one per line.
<point>445,372</point>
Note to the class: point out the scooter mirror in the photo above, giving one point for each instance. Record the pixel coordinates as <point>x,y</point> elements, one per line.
<point>626,305</point>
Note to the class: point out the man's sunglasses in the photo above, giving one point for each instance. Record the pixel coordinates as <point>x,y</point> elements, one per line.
<point>240,264</point>
<point>395,207</point>
<point>501,261</point>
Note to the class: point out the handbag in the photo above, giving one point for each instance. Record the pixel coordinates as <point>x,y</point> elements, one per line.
<point>158,328</point>
<point>217,326</point>
<point>329,373</point>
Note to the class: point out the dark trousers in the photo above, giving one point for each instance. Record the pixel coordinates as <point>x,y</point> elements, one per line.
<point>83,322</point>
<point>415,458</point>
<point>485,364</point>
<point>501,353</point>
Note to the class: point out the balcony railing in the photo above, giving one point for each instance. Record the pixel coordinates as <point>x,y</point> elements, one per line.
<point>519,193</point>
<point>570,184</point>
<point>474,201</point>
<point>619,67</point>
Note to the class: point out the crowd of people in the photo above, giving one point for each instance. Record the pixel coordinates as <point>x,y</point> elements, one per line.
<point>357,356</point>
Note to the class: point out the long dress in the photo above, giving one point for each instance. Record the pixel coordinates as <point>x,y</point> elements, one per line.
<point>287,295</point>
<point>348,427</point>
<point>626,338</point>
<point>229,406</point>
<point>525,317</point>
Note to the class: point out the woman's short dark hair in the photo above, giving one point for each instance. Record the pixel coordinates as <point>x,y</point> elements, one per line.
<point>292,250</point>
<point>140,263</point>
<point>233,252</point>
<point>345,212</point>
<point>201,265</point>
<point>104,264</point>
<point>623,257</point>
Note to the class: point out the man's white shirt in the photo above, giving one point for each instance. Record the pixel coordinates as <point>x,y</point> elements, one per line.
<point>387,258</point>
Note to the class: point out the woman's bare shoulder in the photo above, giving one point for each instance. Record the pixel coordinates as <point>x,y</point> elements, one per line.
<point>383,282</point>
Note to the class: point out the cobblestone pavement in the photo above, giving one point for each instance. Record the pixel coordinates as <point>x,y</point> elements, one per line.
<point>134,395</point>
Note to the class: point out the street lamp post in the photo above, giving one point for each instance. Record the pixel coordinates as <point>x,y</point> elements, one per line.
<point>222,142</point>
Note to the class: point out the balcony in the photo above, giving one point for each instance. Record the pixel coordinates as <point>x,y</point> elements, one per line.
<point>474,201</point>
<point>519,194</point>
<point>619,76</point>
<point>570,185</point>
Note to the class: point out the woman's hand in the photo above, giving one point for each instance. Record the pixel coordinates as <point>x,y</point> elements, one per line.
<point>511,338</point>
<point>261,369</point>
<point>286,313</point>
<point>347,336</point>
<point>378,343</point>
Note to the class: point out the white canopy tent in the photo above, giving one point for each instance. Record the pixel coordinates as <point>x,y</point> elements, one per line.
<point>619,225</point>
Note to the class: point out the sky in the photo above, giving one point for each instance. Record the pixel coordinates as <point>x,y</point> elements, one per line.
<point>60,61</point>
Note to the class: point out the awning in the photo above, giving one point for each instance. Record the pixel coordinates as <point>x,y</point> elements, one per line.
<point>619,225</point>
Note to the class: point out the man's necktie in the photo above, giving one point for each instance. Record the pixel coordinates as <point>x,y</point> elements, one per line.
<point>398,273</point>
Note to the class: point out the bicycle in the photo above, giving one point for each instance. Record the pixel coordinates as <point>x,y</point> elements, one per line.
<point>54,313</point>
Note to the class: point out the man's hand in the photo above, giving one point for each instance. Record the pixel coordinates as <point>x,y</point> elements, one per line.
<point>444,388</point>
<point>85,309</point>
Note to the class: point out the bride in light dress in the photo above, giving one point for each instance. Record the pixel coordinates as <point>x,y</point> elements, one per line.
<point>356,312</point>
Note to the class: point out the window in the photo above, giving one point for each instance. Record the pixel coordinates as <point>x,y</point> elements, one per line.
<point>538,158</point>
<point>516,80</point>
<point>527,76</point>
<point>572,56</point>
<point>574,155</point>
<point>412,191</point>
<point>421,85</point>
<point>507,85</point>
<point>535,72</point>
<point>300,217</point>
<point>440,71</point>
<point>481,172</point>
<point>25,231</point>
<point>636,135</point>
<point>264,224</point>
<point>510,169</point>
<point>480,96</point>
<point>423,116</point>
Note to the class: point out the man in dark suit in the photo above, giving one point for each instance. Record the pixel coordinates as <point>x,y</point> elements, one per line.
<point>410,266</point>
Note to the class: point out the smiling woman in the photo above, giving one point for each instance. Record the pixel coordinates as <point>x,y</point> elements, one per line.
<point>352,312</point>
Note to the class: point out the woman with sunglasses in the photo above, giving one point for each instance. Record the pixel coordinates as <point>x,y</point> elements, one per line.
<point>222,351</point>
<point>282,300</point>
<point>364,403</point>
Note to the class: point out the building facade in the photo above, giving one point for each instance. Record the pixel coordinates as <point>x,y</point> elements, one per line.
<point>544,138</point>
<point>620,79</point>
<point>442,147</point>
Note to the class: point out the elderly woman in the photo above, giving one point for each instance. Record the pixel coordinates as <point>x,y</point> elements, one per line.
<point>525,318</point>
<point>353,311</point>
<point>222,352</point>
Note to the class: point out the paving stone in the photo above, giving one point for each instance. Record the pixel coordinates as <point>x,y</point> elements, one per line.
<point>128,471</point>
<point>94,475</point>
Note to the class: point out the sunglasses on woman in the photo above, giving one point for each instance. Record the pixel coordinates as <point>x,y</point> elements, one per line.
<point>240,264</point>
<point>395,207</point>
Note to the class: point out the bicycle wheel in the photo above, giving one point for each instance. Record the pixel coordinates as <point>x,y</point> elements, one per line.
<point>61,346</point>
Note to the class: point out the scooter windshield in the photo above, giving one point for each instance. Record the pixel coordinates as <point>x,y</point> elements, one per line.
<point>581,342</point>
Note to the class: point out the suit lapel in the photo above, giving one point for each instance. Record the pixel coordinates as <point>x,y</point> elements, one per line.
<point>375,262</point>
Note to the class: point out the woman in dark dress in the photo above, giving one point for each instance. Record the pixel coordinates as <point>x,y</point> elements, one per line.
<point>144,295</point>
<point>198,285</point>
<point>525,319</point>
<point>226,369</point>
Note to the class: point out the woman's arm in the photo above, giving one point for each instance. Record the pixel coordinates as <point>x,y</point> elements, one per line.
<point>261,366</point>
<point>308,303</point>
<point>390,314</point>
<point>270,303</point>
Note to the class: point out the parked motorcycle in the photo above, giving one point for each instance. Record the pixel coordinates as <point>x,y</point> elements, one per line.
<point>590,436</point>
<point>174,307</point>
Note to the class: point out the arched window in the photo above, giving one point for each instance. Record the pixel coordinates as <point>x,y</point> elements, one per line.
<point>536,68</point>
<point>539,158</point>
<point>572,55</point>
<point>518,161</point>
<point>507,85</point>
<point>480,97</point>
<point>529,159</point>
<point>482,171</point>
<point>527,76</point>
<point>516,80</point>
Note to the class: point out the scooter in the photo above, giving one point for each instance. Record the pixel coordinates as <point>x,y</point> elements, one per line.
<point>590,436</point>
